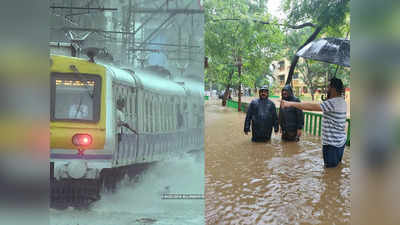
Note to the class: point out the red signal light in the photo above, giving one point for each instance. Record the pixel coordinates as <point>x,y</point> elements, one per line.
<point>82,140</point>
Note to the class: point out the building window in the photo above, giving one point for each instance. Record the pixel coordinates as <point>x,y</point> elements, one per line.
<point>281,77</point>
<point>281,65</point>
<point>296,76</point>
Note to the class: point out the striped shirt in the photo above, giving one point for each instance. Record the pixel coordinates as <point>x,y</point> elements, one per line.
<point>334,122</point>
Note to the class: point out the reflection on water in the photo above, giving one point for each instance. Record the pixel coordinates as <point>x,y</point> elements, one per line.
<point>269,183</point>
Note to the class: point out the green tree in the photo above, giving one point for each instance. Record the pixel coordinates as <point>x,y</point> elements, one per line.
<point>326,16</point>
<point>231,32</point>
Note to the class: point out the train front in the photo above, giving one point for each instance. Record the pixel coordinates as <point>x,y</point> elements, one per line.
<point>77,130</point>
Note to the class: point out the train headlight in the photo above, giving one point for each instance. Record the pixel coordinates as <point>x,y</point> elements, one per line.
<point>77,169</point>
<point>82,140</point>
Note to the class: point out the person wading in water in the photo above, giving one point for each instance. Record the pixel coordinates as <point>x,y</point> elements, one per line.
<point>291,119</point>
<point>333,122</point>
<point>261,116</point>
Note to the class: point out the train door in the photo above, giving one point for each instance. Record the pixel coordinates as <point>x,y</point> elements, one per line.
<point>125,124</point>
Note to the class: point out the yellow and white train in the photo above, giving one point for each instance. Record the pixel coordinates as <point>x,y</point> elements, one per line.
<point>89,149</point>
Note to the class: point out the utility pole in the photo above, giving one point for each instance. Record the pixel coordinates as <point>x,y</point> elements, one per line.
<point>239,65</point>
<point>132,44</point>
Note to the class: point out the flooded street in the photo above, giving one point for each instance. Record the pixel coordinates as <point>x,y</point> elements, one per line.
<point>141,204</point>
<point>269,183</point>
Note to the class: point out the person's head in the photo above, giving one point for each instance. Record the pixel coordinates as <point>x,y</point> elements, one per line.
<point>335,88</point>
<point>287,92</point>
<point>120,103</point>
<point>264,92</point>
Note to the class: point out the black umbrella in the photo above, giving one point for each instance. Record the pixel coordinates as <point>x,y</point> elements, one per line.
<point>330,50</point>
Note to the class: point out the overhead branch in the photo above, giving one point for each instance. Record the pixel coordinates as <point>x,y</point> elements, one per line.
<point>308,24</point>
<point>296,58</point>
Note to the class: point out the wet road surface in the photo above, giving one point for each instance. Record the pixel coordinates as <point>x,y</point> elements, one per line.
<point>269,183</point>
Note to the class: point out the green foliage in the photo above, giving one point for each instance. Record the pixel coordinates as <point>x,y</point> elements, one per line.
<point>257,45</point>
<point>230,31</point>
<point>334,16</point>
<point>326,13</point>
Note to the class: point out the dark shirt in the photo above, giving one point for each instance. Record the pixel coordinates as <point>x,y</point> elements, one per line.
<point>261,116</point>
<point>291,119</point>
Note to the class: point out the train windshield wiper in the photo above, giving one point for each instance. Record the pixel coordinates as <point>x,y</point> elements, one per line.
<point>83,80</point>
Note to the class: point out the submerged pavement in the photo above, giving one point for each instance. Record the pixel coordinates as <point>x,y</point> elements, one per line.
<point>269,183</point>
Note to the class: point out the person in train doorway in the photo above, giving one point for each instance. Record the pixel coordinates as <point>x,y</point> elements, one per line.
<point>291,119</point>
<point>334,111</point>
<point>121,120</point>
<point>262,117</point>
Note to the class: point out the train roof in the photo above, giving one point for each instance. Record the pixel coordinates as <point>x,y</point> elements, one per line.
<point>151,79</point>
<point>194,87</point>
<point>148,80</point>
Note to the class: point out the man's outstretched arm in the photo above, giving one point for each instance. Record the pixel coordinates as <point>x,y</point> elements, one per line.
<point>302,105</point>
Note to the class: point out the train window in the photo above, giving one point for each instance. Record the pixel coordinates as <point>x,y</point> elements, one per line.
<point>131,104</point>
<point>75,97</point>
<point>162,114</point>
<point>170,106</point>
<point>144,113</point>
<point>140,110</point>
<point>158,114</point>
<point>128,104</point>
<point>165,105</point>
<point>150,120</point>
<point>147,116</point>
<point>168,115</point>
<point>154,114</point>
<point>174,115</point>
<point>150,114</point>
<point>179,116</point>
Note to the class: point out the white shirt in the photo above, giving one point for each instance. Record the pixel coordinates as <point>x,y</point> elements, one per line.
<point>120,120</point>
<point>334,122</point>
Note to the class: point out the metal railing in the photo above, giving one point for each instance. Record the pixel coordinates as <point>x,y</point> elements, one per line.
<point>234,104</point>
<point>312,121</point>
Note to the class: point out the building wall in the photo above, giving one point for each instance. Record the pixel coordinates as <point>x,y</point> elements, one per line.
<point>299,87</point>
<point>280,72</point>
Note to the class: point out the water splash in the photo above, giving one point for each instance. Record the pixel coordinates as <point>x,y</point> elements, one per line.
<point>141,203</point>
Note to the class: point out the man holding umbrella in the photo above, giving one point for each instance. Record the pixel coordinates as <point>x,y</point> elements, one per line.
<point>333,121</point>
<point>261,115</point>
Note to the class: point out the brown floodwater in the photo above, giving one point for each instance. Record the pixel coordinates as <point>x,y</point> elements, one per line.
<point>269,183</point>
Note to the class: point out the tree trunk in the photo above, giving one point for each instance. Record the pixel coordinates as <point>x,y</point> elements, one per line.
<point>240,91</point>
<point>226,94</point>
<point>255,88</point>
<point>312,95</point>
<point>295,58</point>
